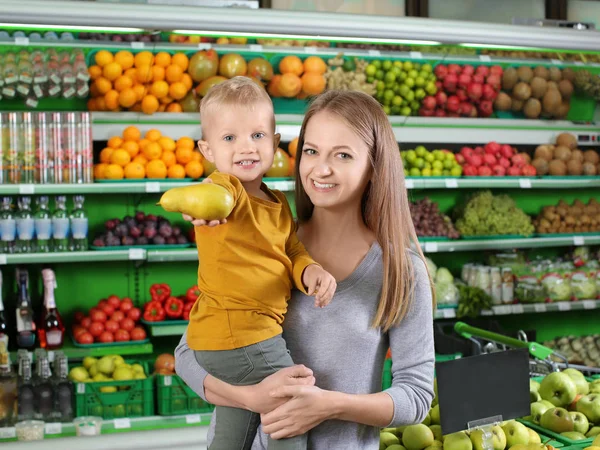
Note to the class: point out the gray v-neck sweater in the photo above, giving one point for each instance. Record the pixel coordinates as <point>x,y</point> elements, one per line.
<point>346,354</point>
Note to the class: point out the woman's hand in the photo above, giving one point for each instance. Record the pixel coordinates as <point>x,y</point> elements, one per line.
<point>305,408</point>
<point>202,222</point>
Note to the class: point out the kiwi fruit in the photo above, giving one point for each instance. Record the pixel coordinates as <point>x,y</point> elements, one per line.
<point>577,155</point>
<point>544,152</point>
<point>525,73</point>
<point>551,101</point>
<point>522,91</point>
<point>591,156</point>
<point>566,88</point>
<point>538,87</point>
<point>563,110</point>
<point>589,168</point>
<point>541,166</point>
<point>517,105</point>
<point>563,153</point>
<point>503,102</point>
<point>532,108</point>
<point>568,74</point>
<point>541,72</point>
<point>509,79</point>
<point>574,167</point>
<point>557,168</point>
<point>555,74</point>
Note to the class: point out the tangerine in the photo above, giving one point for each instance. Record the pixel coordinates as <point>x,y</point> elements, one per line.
<point>103,57</point>
<point>158,73</point>
<point>197,156</point>
<point>143,143</point>
<point>162,107</point>
<point>103,85</point>
<point>177,90</point>
<point>115,142</point>
<point>185,142</point>
<point>315,64</point>
<point>144,74</point>
<point>174,108</point>
<point>291,64</point>
<point>140,159</point>
<point>105,154</point>
<point>165,101</point>
<point>162,59</point>
<point>187,81</point>
<point>100,104</point>
<point>134,170</point>
<point>176,171</point>
<point>313,83</point>
<point>95,72</point>
<point>293,147</point>
<point>131,147</point>
<point>132,133</point>
<point>149,104</point>
<point>127,98</point>
<point>184,155</point>
<point>125,59</point>
<point>180,60</point>
<point>120,157</point>
<point>144,58</point>
<point>169,159</point>
<point>174,73</point>
<point>153,135</point>
<point>99,171</point>
<point>112,71</point>
<point>156,169</point>
<point>92,105</point>
<point>131,73</point>
<point>123,82</point>
<point>152,151</point>
<point>167,144</point>
<point>273,86</point>
<point>159,89</point>
<point>112,100</point>
<point>140,91</point>
<point>194,169</point>
<point>113,172</point>
<point>289,85</point>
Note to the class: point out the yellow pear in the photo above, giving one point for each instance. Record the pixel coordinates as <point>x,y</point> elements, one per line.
<point>137,368</point>
<point>88,362</point>
<point>118,359</point>
<point>93,370</point>
<point>78,374</point>
<point>139,376</point>
<point>123,373</point>
<point>206,201</point>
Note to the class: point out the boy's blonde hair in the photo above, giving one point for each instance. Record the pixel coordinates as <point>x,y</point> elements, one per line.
<point>237,91</point>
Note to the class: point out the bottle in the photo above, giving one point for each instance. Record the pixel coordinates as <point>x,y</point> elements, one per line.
<point>43,225</point>
<point>56,131</point>
<point>496,279</point>
<point>26,407</point>
<point>44,173</point>
<point>27,156</point>
<point>51,330</point>
<point>24,311</point>
<point>8,227</point>
<point>87,147</point>
<point>70,148</point>
<point>25,226</point>
<point>64,390</point>
<point>3,323</point>
<point>8,387</point>
<point>3,147</point>
<point>43,392</point>
<point>60,224</point>
<point>13,165</point>
<point>79,224</point>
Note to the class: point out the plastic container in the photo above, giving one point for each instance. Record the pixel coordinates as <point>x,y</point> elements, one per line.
<point>558,437</point>
<point>175,397</point>
<point>88,426</point>
<point>30,430</point>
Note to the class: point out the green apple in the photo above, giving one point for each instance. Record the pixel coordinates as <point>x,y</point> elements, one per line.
<point>573,435</point>
<point>427,419</point>
<point>519,447</point>
<point>558,388</point>
<point>435,415</point>
<point>395,447</point>
<point>595,387</point>
<point>437,445</point>
<point>580,382</point>
<point>516,433</point>
<point>498,439</point>
<point>534,438</point>
<point>594,431</point>
<point>580,422</point>
<point>596,442</point>
<point>537,410</point>
<point>589,405</point>
<point>388,438</point>
<point>437,432</point>
<point>417,437</point>
<point>558,420</point>
<point>534,396</point>
<point>546,402</point>
<point>457,441</point>
<point>534,385</point>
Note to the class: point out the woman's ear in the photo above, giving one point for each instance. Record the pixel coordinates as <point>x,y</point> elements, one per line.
<point>276,141</point>
<point>206,151</point>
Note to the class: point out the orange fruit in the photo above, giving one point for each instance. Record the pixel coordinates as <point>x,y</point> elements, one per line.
<point>174,73</point>
<point>187,81</point>
<point>290,85</point>
<point>103,85</point>
<point>115,142</point>
<point>315,64</point>
<point>144,74</point>
<point>92,105</point>
<point>169,158</point>
<point>140,91</point>
<point>313,83</point>
<point>177,90</point>
<point>176,171</point>
<point>293,147</point>
<point>174,108</point>
<point>105,154</point>
<point>120,157</point>
<point>184,155</point>
<point>143,143</point>
<point>158,73</point>
<point>131,147</point>
<point>159,89</point>
<point>185,142</point>
<point>194,169</point>
<point>113,172</point>
<point>153,135</point>
<point>162,59</point>
<point>112,71</point>
<point>140,159</point>
<point>180,60</point>
<point>132,133</point>
<point>123,82</point>
<point>103,57</point>
<point>196,156</point>
<point>100,104</point>
<point>125,59</point>
<point>144,58</point>
<point>156,169</point>
<point>149,104</point>
<point>152,151</point>
<point>95,72</point>
<point>99,171</point>
<point>165,101</point>
<point>112,100</point>
<point>291,64</point>
<point>162,108</point>
<point>273,86</point>
<point>167,144</point>
<point>131,73</point>
<point>127,98</point>
<point>94,90</point>
<point>134,170</point>
<point>136,108</point>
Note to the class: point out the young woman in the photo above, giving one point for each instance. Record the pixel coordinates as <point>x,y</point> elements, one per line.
<point>354,220</point>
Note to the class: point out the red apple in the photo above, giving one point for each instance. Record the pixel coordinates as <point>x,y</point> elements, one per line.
<point>474,91</point>
<point>462,95</point>
<point>453,114</point>
<point>507,151</point>
<point>440,113</point>
<point>423,112</point>
<point>450,82</point>
<point>454,68</point>
<point>483,71</point>
<point>440,71</point>
<point>469,171</point>
<point>513,171</point>
<point>441,98</point>
<point>486,108</point>
<point>468,70</point>
<point>518,160</point>
<point>429,102</point>
<point>489,160</point>
<point>492,147</point>
<point>498,170</point>
<point>489,93</point>
<point>466,109</point>
<point>464,80</point>
<point>484,171</point>
<point>466,152</point>
<point>494,81</point>
<point>479,151</point>
<point>460,159</point>
<point>478,78</point>
<point>528,170</point>
<point>453,103</point>
<point>475,160</point>
<point>496,70</point>
<point>439,85</point>
<point>504,162</point>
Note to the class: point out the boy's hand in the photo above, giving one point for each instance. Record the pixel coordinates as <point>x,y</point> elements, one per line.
<point>320,283</point>
<point>201,222</point>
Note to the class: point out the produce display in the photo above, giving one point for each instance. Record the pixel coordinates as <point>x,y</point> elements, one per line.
<point>446,292</point>
<point>296,78</point>
<point>584,350</point>
<point>350,75</point>
<point>565,218</point>
<point>495,159</point>
<point>421,162</point>
<point>564,158</point>
<point>430,222</point>
<point>113,319</point>
<point>107,368</point>
<point>165,306</point>
<point>587,83</point>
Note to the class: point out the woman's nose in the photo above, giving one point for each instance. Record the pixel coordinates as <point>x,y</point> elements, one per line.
<point>322,169</point>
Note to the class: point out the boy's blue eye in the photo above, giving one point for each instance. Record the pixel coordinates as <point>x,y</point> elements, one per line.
<point>228,138</point>
<point>258,135</point>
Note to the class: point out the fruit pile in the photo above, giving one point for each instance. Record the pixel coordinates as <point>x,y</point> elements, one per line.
<point>349,75</point>
<point>430,222</point>
<point>107,368</point>
<point>583,350</point>
<point>485,214</point>
<point>423,163</point>
<point>155,156</point>
<point>140,229</point>
<point>401,86</point>
<point>567,404</point>
<point>165,306</point>
<point>565,158</point>
<point>111,320</point>
<point>297,78</point>
<point>588,84</point>
<point>538,92</point>
<point>142,82</point>
<point>120,37</point>
<point>494,159</point>
<point>164,364</point>
<point>565,218</point>
<point>446,293</point>
<point>463,91</point>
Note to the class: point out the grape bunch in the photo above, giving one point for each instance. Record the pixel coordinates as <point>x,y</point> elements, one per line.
<point>430,222</point>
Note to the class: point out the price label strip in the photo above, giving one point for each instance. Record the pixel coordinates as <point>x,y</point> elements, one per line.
<point>517,309</point>
<point>374,53</point>
<point>410,184</point>
<point>137,45</point>
<point>589,304</point>
<point>152,186</point>
<point>193,418</point>
<point>26,189</point>
<point>485,58</point>
<point>451,183</point>
<point>564,306</point>
<point>8,433</point>
<point>2,259</point>
<point>137,254</point>
<point>256,48</point>
<point>525,183</point>
<point>578,240</point>
<point>431,247</point>
<point>448,313</point>
<point>310,49</point>
<point>539,308</point>
<point>53,428</point>
<point>416,55</point>
<point>123,423</point>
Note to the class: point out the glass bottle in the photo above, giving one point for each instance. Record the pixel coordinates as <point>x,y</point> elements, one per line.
<point>3,323</point>
<point>26,407</point>
<point>43,145</point>
<point>24,312</point>
<point>51,330</point>
<point>44,392</point>
<point>60,224</point>
<point>70,148</point>
<point>3,147</point>
<point>64,390</point>
<point>13,165</point>
<point>25,225</point>
<point>8,387</point>
<point>56,130</point>
<point>43,224</point>
<point>87,147</point>
<point>8,227</point>
<point>79,224</point>
<point>27,156</point>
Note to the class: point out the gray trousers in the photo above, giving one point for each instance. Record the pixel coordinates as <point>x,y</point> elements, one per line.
<point>236,428</point>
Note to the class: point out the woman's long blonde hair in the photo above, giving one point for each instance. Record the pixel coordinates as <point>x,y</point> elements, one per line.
<point>385,206</point>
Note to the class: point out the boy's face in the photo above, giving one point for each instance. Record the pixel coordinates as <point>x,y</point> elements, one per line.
<point>240,140</point>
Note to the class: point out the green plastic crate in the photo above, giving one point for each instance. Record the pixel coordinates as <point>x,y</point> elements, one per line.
<point>556,436</point>
<point>175,397</point>
<point>133,398</point>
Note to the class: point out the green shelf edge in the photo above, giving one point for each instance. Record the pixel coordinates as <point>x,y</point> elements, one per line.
<point>71,351</point>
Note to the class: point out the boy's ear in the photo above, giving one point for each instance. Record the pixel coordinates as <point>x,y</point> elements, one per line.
<point>205,150</point>
<point>276,141</point>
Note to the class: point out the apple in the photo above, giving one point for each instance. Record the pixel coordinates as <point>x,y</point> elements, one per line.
<point>460,159</point>
<point>440,113</point>
<point>493,81</point>
<point>475,160</point>
<point>508,152</point>
<point>573,435</point>
<point>558,388</point>
<point>386,438</point>
<point>589,405</point>
<point>468,69</point>
<point>437,432</point>
<point>479,150</point>
<point>457,441</point>
<point>484,171</point>
<point>440,71</point>
<point>530,171</point>
<point>441,98</point>
<point>454,68</point>
<point>450,82</point>
<point>453,103</point>
<point>534,438</point>
<point>500,171</point>
<point>547,403</point>
<point>466,109</point>
<point>464,80</point>
<point>483,71</point>
<point>435,415</point>
<point>504,162</point>
<point>427,420</point>
<point>489,160</point>
<point>514,171</point>
<point>496,70</point>
<point>557,420</point>
<point>417,437</point>
<point>467,151</point>
<point>469,170</point>
<point>516,433</point>
<point>486,108</point>
<point>573,404</point>
<point>488,92</point>
<point>595,387</point>
<point>580,422</point>
<point>429,102</point>
<point>596,441</point>
<point>594,431</point>
<point>498,439</point>
<point>537,410</point>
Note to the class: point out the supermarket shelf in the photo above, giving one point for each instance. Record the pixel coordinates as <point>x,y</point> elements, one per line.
<point>504,244</point>
<point>172,255</point>
<point>504,310</point>
<point>70,257</point>
<point>127,349</point>
<point>166,329</point>
<point>503,182</point>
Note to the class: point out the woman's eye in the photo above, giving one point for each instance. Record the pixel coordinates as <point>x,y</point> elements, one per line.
<point>258,135</point>
<point>309,151</point>
<point>345,155</point>
<point>228,138</point>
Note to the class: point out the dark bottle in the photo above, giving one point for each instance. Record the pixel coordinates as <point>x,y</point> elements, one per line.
<point>64,390</point>
<point>3,323</point>
<point>51,330</point>
<point>44,392</point>
<point>24,311</point>
<point>8,387</point>
<point>25,391</point>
